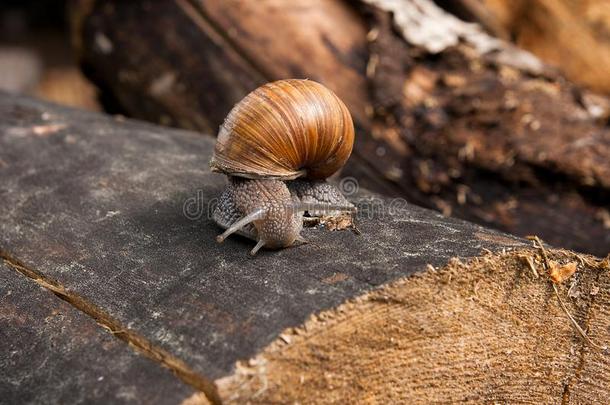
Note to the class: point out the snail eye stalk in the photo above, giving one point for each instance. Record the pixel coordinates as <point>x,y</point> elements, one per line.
<point>253,216</point>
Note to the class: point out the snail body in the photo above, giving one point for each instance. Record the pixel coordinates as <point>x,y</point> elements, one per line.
<point>282,131</point>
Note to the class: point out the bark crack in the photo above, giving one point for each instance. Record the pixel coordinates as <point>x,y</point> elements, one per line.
<point>140,343</point>
<point>582,346</point>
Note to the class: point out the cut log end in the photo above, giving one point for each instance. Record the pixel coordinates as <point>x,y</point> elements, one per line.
<point>480,330</point>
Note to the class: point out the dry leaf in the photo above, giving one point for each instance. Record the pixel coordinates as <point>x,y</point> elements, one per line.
<point>560,273</point>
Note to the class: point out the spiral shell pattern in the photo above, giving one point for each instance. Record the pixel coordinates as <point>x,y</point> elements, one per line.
<point>284,130</point>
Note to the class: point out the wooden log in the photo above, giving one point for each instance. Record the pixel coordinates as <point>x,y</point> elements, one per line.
<point>493,144</point>
<point>53,353</point>
<point>453,127</point>
<point>484,331</point>
<point>111,215</point>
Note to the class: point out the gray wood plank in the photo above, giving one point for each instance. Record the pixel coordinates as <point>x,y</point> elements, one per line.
<point>97,204</point>
<point>51,353</point>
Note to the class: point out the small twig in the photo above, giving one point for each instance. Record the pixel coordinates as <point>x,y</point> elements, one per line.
<point>576,325</point>
<point>537,240</point>
<point>580,330</point>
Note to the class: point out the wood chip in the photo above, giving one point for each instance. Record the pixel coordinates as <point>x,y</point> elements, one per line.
<point>560,273</point>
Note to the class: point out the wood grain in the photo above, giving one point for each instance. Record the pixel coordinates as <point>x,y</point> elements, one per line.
<point>53,353</point>
<point>481,331</point>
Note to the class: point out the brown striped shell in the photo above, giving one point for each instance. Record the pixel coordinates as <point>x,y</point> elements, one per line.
<point>284,130</point>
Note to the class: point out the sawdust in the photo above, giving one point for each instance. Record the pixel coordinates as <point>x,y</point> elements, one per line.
<point>338,222</point>
<point>489,330</point>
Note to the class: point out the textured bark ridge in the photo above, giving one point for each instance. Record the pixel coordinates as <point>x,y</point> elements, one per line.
<point>454,120</point>
<point>493,144</point>
<point>113,217</point>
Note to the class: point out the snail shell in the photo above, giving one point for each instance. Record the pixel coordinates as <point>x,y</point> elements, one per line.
<point>284,130</point>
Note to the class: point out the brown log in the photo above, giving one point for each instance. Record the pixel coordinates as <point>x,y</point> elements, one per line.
<point>454,128</point>
<point>495,145</point>
<point>471,332</point>
<point>109,267</point>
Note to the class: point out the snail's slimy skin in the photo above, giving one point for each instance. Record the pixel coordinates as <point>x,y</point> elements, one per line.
<point>281,205</point>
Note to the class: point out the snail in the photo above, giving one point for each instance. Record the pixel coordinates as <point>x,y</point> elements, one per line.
<point>278,146</point>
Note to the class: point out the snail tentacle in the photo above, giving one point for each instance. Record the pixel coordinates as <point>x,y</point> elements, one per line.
<point>253,216</point>
<point>256,248</point>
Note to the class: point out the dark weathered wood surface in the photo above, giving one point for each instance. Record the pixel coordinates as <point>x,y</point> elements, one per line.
<point>458,131</point>
<point>94,205</point>
<point>51,353</point>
